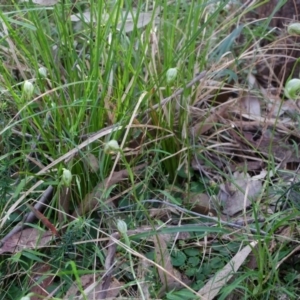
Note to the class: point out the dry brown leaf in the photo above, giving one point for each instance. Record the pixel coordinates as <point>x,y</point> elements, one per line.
<point>278,146</point>
<point>29,238</point>
<point>201,203</point>
<point>239,194</point>
<point>274,102</point>
<point>39,287</point>
<point>109,262</point>
<point>284,234</point>
<point>163,258</point>
<point>115,288</point>
<point>276,105</point>
<point>214,285</point>
<point>144,270</point>
<point>250,104</point>
<point>85,280</point>
<point>92,287</point>
<point>91,162</point>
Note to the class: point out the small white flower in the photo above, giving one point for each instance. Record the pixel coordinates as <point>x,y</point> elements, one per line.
<point>43,72</point>
<point>27,297</point>
<point>294,29</point>
<point>66,177</point>
<point>171,75</point>
<point>122,226</point>
<point>111,146</point>
<point>28,89</point>
<point>292,89</point>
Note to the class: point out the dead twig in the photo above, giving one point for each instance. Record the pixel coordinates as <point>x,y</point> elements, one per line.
<point>238,224</point>
<point>30,217</point>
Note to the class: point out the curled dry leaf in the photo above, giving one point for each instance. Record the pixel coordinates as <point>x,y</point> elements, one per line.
<point>239,193</point>
<point>29,238</point>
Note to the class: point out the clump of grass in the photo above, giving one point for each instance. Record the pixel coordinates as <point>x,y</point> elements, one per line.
<point>90,78</point>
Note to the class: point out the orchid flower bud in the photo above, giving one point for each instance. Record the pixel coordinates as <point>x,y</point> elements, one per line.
<point>171,75</point>
<point>292,89</point>
<point>66,177</point>
<point>28,89</point>
<point>27,297</point>
<point>122,226</point>
<point>111,146</point>
<point>294,29</point>
<point>43,72</point>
